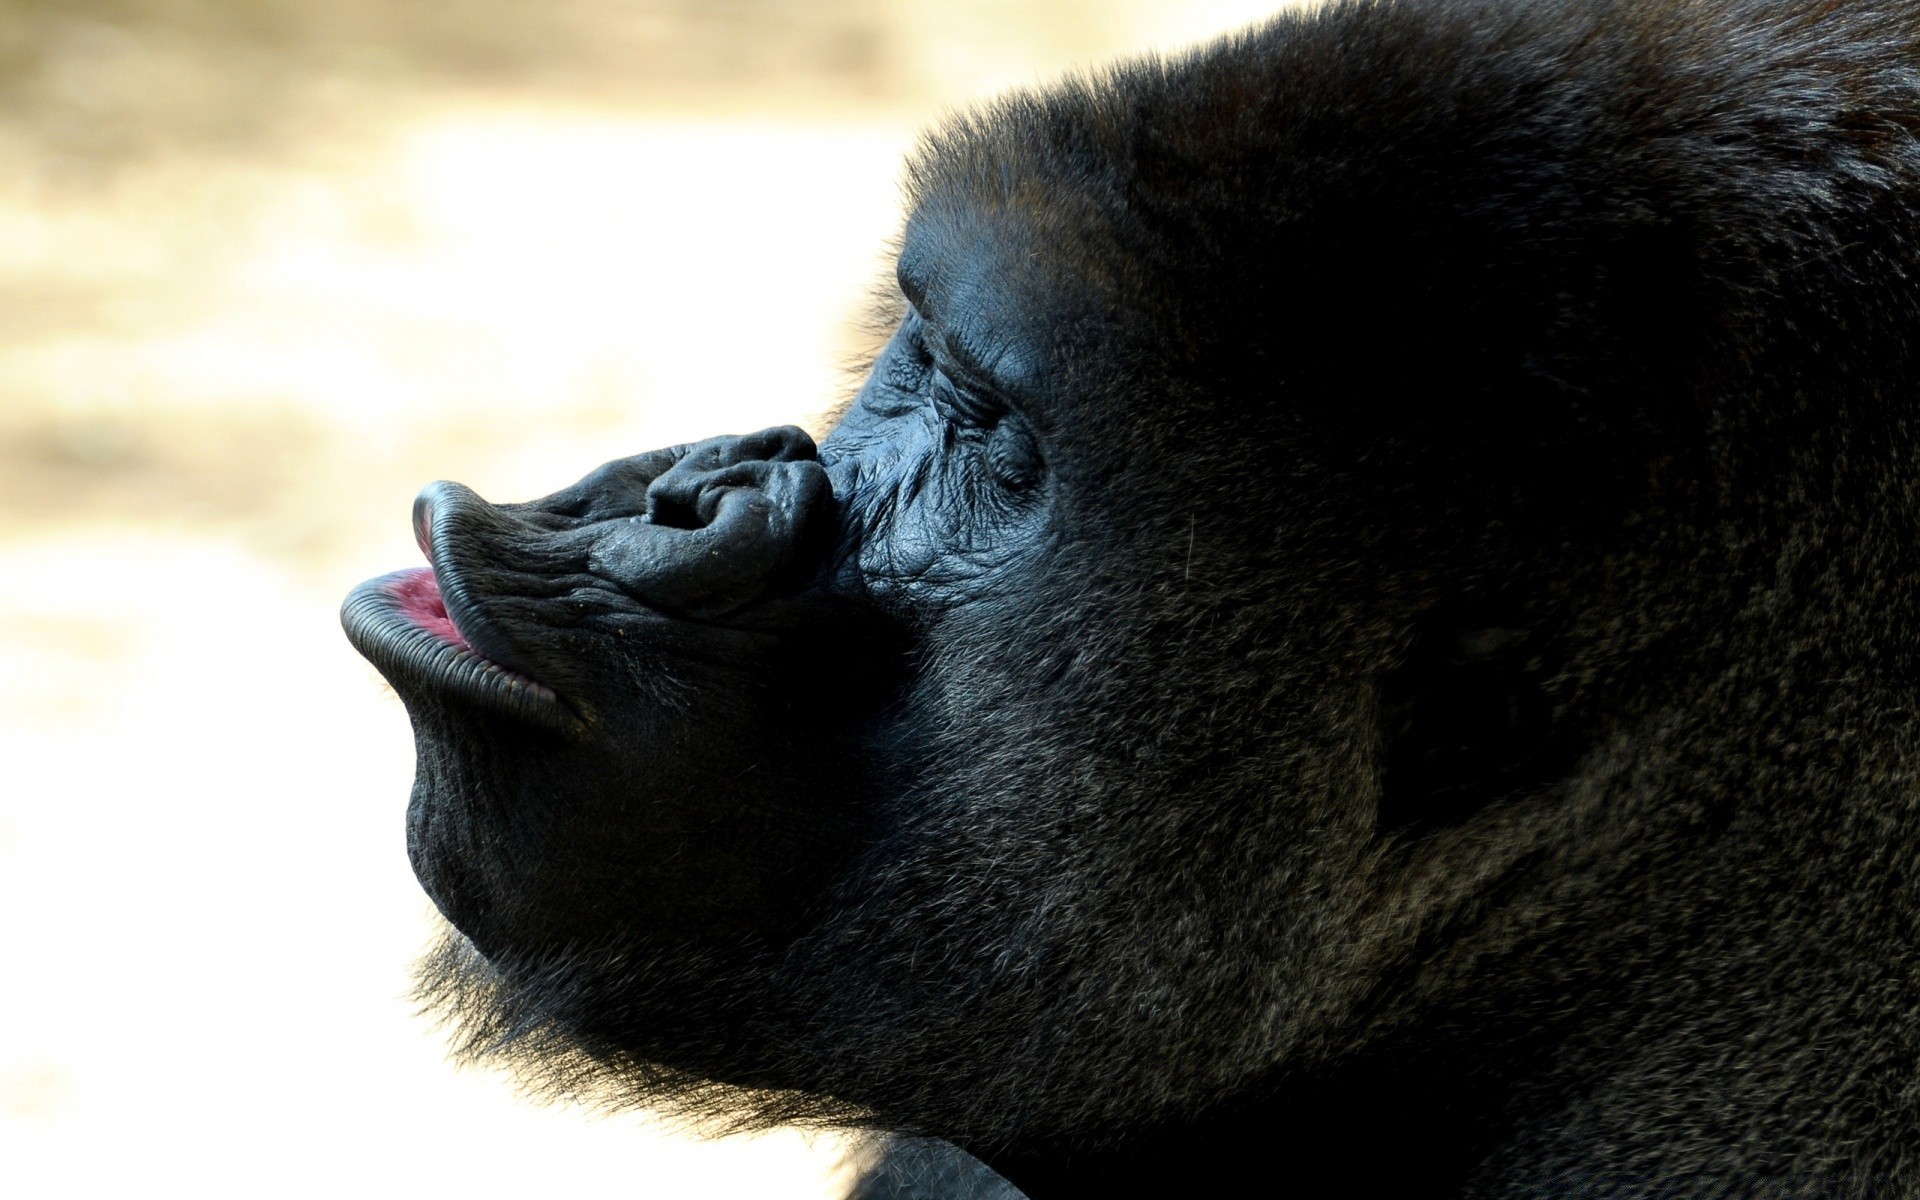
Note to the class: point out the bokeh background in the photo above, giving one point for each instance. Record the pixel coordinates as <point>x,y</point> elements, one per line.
<point>266,266</point>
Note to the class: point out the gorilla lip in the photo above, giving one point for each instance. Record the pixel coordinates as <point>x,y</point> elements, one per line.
<point>417,592</point>
<point>401,624</point>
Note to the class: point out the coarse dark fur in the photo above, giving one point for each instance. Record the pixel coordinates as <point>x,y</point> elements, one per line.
<point>1364,627</point>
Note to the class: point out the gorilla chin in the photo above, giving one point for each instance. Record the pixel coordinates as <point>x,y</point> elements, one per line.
<point>1365,617</point>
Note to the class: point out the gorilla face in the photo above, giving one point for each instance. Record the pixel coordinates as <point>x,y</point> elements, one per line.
<point>946,726</point>
<point>656,703</point>
<point>1282,624</point>
<point>746,706</point>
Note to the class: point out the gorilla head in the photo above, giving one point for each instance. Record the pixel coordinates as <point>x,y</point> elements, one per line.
<point>1369,601</point>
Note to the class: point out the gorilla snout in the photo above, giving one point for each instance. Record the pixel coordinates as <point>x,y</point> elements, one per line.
<point>645,615</point>
<point>698,531</point>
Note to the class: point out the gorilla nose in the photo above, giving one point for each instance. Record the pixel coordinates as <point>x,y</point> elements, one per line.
<point>689,494</point>
<point>733,520</point>
<point>695,531</point>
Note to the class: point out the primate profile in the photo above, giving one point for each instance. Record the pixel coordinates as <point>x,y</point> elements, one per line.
<point>1363,627</point>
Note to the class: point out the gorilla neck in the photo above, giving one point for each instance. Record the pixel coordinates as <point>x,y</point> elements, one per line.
<point>1730,892</point>
<point>1771,925</point>
<point>1736,896</point>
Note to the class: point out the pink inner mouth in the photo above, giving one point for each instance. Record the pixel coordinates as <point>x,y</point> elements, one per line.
<point>418,592</point>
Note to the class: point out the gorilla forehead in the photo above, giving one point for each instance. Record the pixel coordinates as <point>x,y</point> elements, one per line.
<point>1022,282</point>
<point>1213,223</point>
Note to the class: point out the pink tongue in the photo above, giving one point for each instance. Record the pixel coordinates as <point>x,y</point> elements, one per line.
<point>419,595</point>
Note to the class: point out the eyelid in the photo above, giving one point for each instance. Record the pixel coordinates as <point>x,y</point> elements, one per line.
<point>958,397</point>
<point>965,373</point>
<point>960,360</point>
<point>977,398</point>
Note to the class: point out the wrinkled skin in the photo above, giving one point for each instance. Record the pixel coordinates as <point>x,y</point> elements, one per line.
<point>1365,615</point>
<point>634,599</point>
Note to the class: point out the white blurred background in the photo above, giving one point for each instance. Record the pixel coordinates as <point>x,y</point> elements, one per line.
<point>267,266</point>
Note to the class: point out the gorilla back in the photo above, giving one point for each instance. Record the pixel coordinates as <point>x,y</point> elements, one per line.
<point>1366,615</point>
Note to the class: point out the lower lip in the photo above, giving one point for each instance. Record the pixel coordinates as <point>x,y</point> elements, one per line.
<point>416,592</point>
<point>400,623</point>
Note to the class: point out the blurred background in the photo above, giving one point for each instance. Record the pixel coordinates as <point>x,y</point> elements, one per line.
<point>267,266</point>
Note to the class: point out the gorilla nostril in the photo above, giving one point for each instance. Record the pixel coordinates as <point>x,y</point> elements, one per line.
<point>674,510</point>
<point>689,494</point>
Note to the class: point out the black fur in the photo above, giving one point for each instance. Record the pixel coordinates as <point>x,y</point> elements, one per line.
<point>1365,623</point>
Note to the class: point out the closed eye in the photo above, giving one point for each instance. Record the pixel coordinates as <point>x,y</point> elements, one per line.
<point>962,403</point>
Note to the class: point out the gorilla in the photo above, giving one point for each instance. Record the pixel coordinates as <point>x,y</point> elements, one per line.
<point>1366,622</point>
